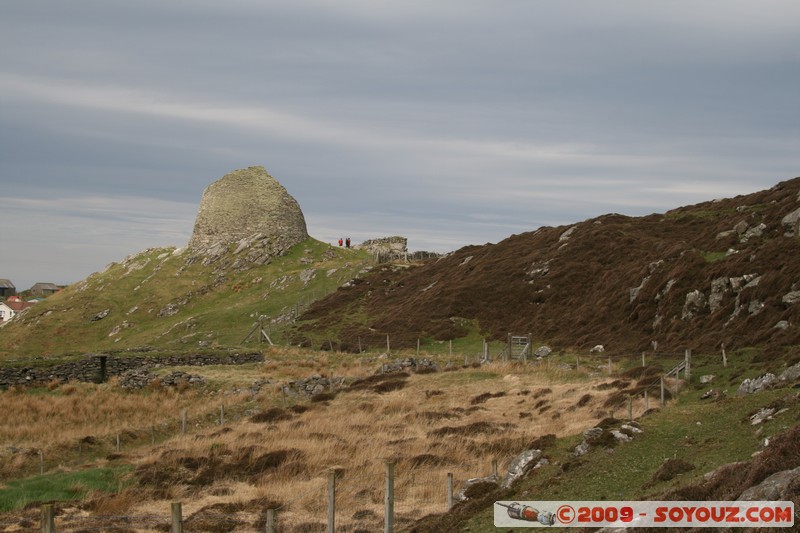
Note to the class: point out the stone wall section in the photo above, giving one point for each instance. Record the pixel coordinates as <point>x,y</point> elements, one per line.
<point>88,369</point>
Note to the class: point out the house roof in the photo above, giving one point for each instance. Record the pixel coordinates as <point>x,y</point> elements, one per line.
<point>18,306</point>
<point>45,286</point>
<point>6,284</point>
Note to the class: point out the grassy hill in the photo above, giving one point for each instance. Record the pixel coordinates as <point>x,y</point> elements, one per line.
<point>723,272</point>
<point>163,299</point>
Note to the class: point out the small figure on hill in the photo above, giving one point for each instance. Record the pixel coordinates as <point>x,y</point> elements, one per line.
<point>340,241</point>
<point>348,242</point>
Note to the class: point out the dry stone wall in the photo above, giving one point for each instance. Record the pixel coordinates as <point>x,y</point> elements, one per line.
<point>89,368</point>
<point>250,211</point>
<point>386,248</point>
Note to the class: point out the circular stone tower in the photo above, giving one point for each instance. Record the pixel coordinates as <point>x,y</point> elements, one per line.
<point>246,207</point>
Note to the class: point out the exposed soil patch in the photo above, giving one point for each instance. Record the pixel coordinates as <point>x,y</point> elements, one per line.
<point>540,404</point>
<point>381,383</point>
<point>543,442</point>
<point>247,464</point>
<point>642,372</point>
<point>368,382</point>
<point>480,489</point>
<point>323,397</point>
<point>388,386</point>
<point>616,384</point>
<point>274,414</point>
<point>435,415</point>
<point>482,398</point>
<point>668,470</point>
<point>476,428</point>
<point>427,459</point>
<point>221,517</point>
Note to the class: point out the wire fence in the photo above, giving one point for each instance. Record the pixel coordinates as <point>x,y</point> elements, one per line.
<point>338,501</point>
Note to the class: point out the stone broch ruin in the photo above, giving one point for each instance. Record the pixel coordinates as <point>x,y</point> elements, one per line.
<point>247,209</point>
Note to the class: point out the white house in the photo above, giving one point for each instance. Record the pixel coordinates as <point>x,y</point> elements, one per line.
<point>11,307</point>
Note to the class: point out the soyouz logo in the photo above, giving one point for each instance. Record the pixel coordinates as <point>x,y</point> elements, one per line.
<point>644,514</point>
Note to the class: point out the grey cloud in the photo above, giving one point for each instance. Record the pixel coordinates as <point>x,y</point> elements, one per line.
<point>454,122</point>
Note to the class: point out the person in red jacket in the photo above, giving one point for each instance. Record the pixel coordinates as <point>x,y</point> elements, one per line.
<point>340,241</point>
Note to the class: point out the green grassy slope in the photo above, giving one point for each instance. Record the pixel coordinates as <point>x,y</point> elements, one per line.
<point>162,299</point>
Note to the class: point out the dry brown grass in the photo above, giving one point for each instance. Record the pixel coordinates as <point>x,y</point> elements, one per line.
<point>280,456</point>
<point>427,428</point>
<point>75,423</point>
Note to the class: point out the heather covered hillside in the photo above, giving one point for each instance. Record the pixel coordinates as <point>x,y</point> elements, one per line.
<point>721,272</point>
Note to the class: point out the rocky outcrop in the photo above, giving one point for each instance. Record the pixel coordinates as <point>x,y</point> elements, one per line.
<point>775,488</point>
<point>409,364</point>
<point>313,385</point>
<point>386,248</point>
<point>769,380</point>
<point>249,213</point>
<point>521,465</point>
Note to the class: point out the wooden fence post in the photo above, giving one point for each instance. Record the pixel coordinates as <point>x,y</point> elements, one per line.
<point>270,520</point>
<point>646,402</point>
<point>687,372</point>
<point>449,490</point>
<point>41,462</point>
<point>177,518</point>
<point>152,435</point>
<point>451,348</point>
<point>183,421</point>
<point>724,357</point>
<point>332,501</point>
<point>48,519</point>
<point>530,348</point>
<point>388,520</point>
<point>388,346</point>
<point>643,360</point>
<point>117,442</point>
<point>630,408</point>
<point>662,391</point>
<point>222,415</point>
<point>609,365</point>
<point>417,346</point>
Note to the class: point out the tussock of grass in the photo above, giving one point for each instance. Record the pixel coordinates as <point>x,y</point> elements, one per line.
<point>58,486</point>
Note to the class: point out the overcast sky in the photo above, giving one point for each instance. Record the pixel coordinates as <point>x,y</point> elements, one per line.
<point>451,122</point>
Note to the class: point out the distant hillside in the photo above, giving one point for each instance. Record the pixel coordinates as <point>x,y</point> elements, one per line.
<point>723,271</point>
